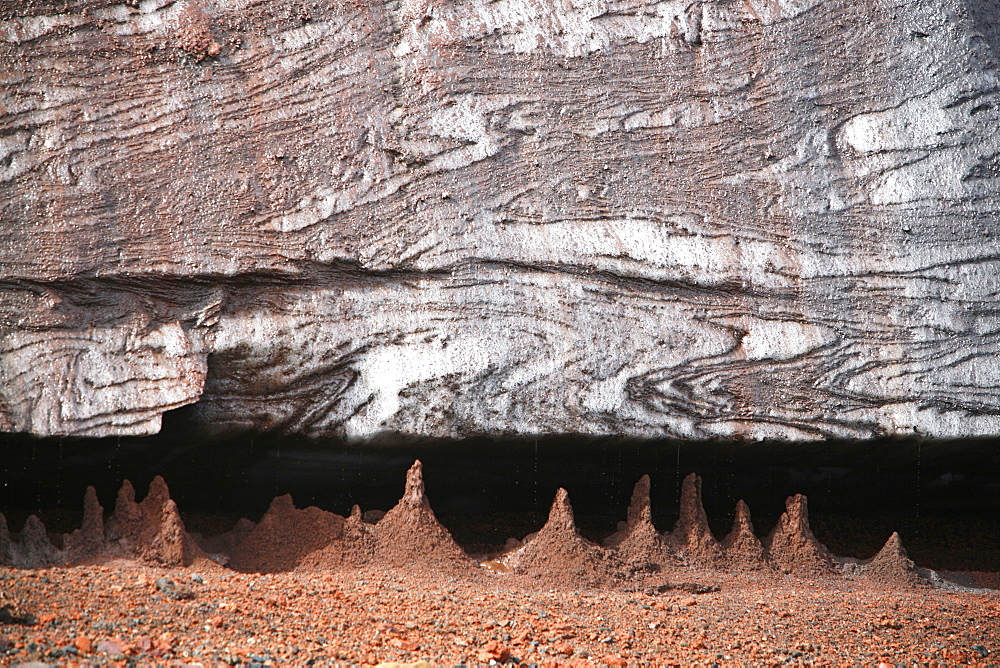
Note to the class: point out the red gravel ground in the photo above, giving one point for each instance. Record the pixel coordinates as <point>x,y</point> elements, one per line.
<point>114,613</point>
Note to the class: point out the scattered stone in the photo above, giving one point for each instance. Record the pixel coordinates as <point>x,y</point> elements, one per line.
<point>111,647</point>
<point>691,538</point>
<point>14,611</point>
<point>194,34</point>
<point>83,644</point>
<point>792,547</point>
<point>494,651</point>
<point>174,590</point>
<point>742,548</point>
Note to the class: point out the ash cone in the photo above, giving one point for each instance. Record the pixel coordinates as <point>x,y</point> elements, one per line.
<point>792,547</point>
<point>171,545</point>
<point>892,566</point>
<point>6,559</point>
<point>125,523</point>
<point>152,529</point>
<point>558,555</point>
<point>410,534</point>
<point>33,549</point>
<point>285,536</point>
<point>639,543</point>
<point>356,546</point>
<point>743,550</point>
<point>691,538</point>
<point>88,541</point>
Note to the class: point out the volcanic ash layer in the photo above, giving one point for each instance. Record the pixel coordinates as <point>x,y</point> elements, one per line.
<point>410,536</point>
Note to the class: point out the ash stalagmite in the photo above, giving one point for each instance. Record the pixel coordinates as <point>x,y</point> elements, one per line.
<point>792,546</point>
<point>638,542</point>
<point>691,537</point>
<point>741,546</point>
<point>410,535</point>
<point>559,555</point>
<point>87,542</point>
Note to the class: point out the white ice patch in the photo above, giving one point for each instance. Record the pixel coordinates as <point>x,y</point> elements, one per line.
<point>524,26</point>
<point>781,340</point>
<point>385,371</point>
<point>16,31</point>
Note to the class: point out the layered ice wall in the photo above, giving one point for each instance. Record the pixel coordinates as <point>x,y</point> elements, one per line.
<point>760,219</point>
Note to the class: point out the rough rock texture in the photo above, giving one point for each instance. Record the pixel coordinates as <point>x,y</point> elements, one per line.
<point>284,536</point>
<point>791,545</point>
<point>759,218</point>
<point>691,538</point>
<point>742,549</point>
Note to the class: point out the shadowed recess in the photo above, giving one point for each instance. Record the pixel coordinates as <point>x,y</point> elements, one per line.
<point>943,497</point>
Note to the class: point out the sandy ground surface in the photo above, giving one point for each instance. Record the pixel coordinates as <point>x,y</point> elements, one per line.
<point>118,614</point>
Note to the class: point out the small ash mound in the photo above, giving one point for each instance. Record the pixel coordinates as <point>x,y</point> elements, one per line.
<point>890,567</point>
<point>285,536</point>
<point>560,556</point>
<point>356,547</point>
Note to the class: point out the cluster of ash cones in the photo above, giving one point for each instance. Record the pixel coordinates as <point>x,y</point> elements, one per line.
<point>639,548</point>
<point>151,531</point>
<point>410,535</point>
